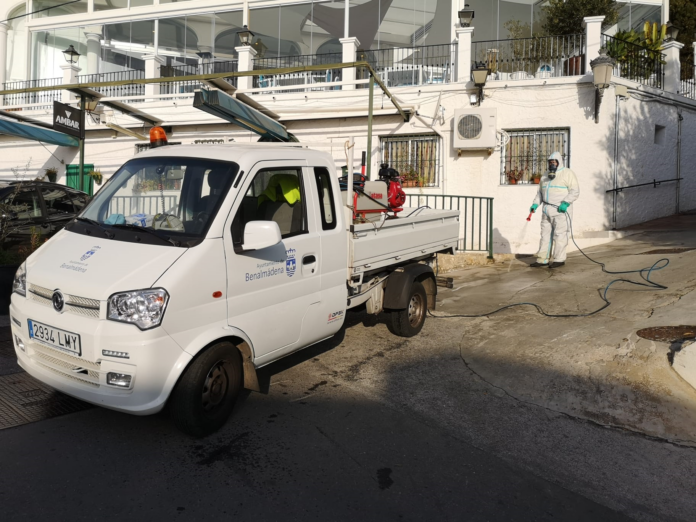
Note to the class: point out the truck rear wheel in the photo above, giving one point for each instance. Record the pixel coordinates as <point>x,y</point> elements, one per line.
<point>409,322</point>
<point>204,397</point>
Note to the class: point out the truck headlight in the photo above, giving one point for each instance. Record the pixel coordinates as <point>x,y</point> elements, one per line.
<point>19,285</point>
<point>143,308</point>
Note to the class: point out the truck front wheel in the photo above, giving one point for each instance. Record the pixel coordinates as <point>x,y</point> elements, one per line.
<point>409,322</point>
<point>204,397</point>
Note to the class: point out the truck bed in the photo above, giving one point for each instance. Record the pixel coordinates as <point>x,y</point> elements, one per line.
<point>427,231</point>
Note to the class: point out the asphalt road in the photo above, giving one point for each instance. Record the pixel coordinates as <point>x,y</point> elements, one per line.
<point>334,439</point>
<point>490,419</point>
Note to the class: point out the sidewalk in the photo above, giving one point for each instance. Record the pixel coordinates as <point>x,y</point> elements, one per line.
<point>595,368</point>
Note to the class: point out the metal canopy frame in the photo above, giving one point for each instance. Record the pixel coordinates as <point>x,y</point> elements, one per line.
<point>213,78</point>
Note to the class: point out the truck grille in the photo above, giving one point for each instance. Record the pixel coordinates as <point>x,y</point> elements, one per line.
<point>67,366</point>
<point>73,304</point>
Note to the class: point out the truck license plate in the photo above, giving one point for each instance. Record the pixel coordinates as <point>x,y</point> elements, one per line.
<point>55,338</point>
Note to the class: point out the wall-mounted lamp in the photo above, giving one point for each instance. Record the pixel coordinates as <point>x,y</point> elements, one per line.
<point>245,36</point>
<point>672,32</point>
<point>602,70</point>
<point>479,75</point>
<point>466,15</point>
<point>90,104</point>
<point>71,55</point>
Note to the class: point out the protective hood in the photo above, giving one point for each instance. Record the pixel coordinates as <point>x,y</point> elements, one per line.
<point>559,158</point>
<point>96,267</point>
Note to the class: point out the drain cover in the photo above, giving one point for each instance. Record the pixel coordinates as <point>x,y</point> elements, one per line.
<point>668,334</point>
<point>667,251</point>
<point>23,399</point>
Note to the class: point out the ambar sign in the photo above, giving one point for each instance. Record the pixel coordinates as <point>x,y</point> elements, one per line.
<point>68,120</point>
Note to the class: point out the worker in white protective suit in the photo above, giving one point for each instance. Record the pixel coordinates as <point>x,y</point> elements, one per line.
<point>558,189</point>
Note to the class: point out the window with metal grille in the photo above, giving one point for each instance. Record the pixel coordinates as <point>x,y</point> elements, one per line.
<point>416,157</point>
<point>525,156</point>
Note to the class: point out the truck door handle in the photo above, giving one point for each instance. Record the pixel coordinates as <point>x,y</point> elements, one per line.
<point>308,260</point>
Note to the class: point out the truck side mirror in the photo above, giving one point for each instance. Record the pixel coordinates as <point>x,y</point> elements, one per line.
<point>260,234</point>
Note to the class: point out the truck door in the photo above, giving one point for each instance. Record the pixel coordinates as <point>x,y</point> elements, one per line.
<point>326,317</point>
<point>269,291</point>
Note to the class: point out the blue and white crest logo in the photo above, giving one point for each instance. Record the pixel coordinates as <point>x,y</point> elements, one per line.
<point>88,254</point>
<point>290,263</point>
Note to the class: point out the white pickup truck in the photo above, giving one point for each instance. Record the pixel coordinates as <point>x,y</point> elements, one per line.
<point>195,265</point>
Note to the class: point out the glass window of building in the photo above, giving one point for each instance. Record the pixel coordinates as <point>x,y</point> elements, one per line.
<point>226,27</point>
<point>385,24</point>
<point>56,8</point>
<point>634,14</point>
<point>107,5</point>
<point>48,47</point>
<point>16,61</point>
<point>123,45</point>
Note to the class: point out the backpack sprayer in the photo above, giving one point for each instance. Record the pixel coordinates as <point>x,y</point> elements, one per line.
<point>375,198</point>
<point>644,273</point>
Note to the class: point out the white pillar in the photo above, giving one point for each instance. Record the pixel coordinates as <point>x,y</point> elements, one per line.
<point>464,36</point>
<point>672,66</point>
<point>665,11</point>
<point>245,62</point>
<point>350,53</point>
<point>593,39</point>
<point>153,63</point>
<point>70,72</point>
<point>3,52</point>
<point>93,52</point>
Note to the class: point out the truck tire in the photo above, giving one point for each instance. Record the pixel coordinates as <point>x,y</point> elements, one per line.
<point>204,397</point>
<point>409,322</point>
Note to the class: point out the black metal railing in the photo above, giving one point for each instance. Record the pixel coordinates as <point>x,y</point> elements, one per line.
<point>687,87</point>
<point>635,62</point>
<point>116,91</point>
<point>529,58</point>
<point>404,66</point>
<point>25,98</point>
<point>189,86</point>
<point>317,79</point>
<point>475,218</point>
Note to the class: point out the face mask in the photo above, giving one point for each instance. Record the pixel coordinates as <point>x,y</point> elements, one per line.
<point>553,167</point>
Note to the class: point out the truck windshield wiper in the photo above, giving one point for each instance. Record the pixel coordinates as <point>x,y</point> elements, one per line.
<point>143,229</point>
<point>96,224</point>
<point>90,221</point>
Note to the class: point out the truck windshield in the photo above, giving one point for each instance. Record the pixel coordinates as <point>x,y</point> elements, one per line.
<point>175,198</point>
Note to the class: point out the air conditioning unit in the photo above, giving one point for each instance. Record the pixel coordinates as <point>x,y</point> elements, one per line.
<point>475,128</point>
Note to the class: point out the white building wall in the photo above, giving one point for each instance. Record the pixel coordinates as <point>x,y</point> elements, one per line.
<point>474,173</point>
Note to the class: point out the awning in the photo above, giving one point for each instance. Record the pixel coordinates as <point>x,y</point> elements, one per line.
<point>30,132</point>
<point>228,108</point>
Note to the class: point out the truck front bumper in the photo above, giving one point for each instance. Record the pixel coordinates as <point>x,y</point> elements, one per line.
<point>154,360</point>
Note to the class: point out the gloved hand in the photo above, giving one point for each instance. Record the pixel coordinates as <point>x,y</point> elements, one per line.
<point>534,207</point>
<point>563,206</point>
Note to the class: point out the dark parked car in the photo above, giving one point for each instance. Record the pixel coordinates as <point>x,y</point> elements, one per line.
<point>45,207</point>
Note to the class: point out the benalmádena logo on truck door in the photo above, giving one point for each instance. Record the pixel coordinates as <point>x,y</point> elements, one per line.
<point>290,263</point>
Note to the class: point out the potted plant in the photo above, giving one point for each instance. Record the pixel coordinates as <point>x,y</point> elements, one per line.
<point>96,175</point>
<point>51,173</point>
<point>410,178</point>
<point>536,178</point>
<point>513,176</point>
